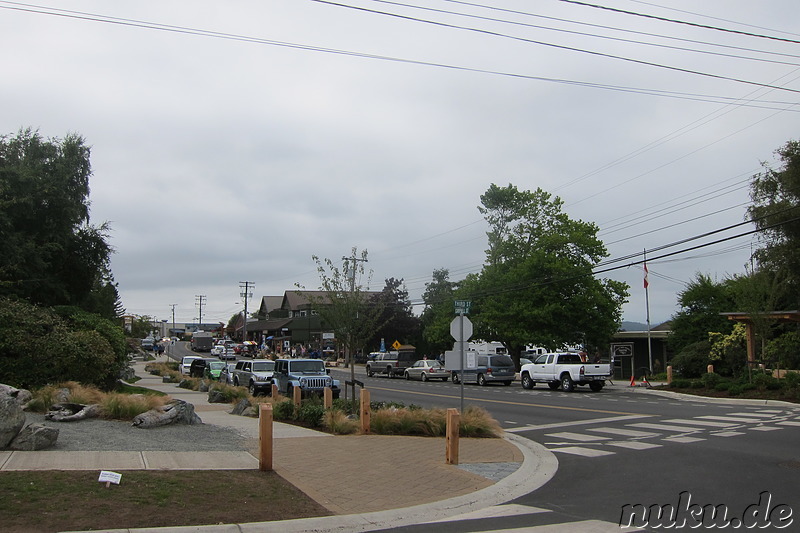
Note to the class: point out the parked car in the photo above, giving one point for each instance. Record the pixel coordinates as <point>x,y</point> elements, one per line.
<point>565,371</point>
<point>186,362</point>
<point>226,374</point>
<point>426,369</point>
<point>255,375</point>
<point>198,367</point>
<point>490,368</point>
<point>214,369</point>
<point>391,363</point>
<point>226,354</point>
<point>308,375</point>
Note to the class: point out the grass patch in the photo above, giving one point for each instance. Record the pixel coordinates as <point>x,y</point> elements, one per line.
<point>68,500</point>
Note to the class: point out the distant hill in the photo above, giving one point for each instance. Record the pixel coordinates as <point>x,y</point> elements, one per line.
<point>632,326</point>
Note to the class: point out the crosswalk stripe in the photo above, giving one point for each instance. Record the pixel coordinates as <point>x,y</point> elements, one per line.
<point>585,452</point>
<point>788,423</point>
<point>665,427</point>
<point>683,440</point>
<point>576,436</point>
<point>729,418</point>
<point>623,432</point>
<point>765,428</point>
<point>757,415</point>
<point>701,422</point>
<point>727,433</point>
<point>634,445</point>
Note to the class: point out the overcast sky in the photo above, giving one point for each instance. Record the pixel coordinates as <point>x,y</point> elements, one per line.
<point>231,141</point>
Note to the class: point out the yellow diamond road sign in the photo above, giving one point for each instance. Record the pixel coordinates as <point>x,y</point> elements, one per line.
<point>396,345</point>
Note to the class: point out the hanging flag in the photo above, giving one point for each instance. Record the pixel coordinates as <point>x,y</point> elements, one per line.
<point>646,283</point>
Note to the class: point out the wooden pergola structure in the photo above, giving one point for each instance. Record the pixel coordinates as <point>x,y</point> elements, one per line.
<point>746,318</point>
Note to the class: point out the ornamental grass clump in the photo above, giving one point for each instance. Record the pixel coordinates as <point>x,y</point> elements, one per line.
<point>339,423</point>
<point>230,393</point>
<point>69,391</point>
<point>126,406</point>
<point>476,422</point>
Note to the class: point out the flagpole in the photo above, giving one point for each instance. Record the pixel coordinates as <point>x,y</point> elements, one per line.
<point>647,303</point>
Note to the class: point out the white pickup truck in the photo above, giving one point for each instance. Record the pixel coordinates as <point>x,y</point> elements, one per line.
<point>564,371</point>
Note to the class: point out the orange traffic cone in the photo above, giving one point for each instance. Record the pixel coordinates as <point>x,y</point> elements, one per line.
<point>633,382</point>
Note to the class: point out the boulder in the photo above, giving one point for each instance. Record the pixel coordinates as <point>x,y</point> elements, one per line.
<point>12,418</point>
<point>240,407</point>
<point>176,412</point>
<point>203,387</point>
<point>22,396</point>
<point>215,396</point>
<point>35,437</point>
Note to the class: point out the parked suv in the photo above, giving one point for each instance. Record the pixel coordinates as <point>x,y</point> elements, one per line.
<point>309,375</point>
<point>490,368</point>
<point>255,375</point>
<point>391,363</point>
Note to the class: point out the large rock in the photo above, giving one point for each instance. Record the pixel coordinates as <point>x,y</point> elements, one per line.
<point>241,407</point>
<point>12,418</point>
<point>22,396</point>
<point>177,412</point>
<point>35,437</point>
<point>215,396</point>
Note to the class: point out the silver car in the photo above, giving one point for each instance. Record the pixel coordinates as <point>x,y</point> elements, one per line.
<point>426,369</point>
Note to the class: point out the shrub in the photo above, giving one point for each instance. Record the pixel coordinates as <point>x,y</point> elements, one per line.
<point>722,386</point>
<point>310,413</point>
<point>476,422</point>
<point>230,393</point>
<point>765,381</point>
<point>791,380</point>
<point>680,384</point>
<point>735,390</point>
<point>336,421</point>
<point>693,360</point>
<point>283,410</point>
<point>785,349</point>
<point>697,384</point>
<point>711,380</point>
<point>349,407</point>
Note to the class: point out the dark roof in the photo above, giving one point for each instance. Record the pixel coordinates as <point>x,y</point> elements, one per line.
<point>270,303</point>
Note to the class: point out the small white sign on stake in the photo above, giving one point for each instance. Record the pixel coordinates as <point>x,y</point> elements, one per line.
<point>109,477</point>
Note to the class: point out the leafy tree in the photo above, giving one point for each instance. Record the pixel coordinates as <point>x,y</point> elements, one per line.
<point>350,310</point>
<point>776,212</point>
<point>728,353</point>
<point>49,253</point>
<point>142,326</point>
<point>399,322</point>
<point>785,350</point>
<point>537,285</point>
<point>438,312</point>
<point>702,302</point>
<point>37,347</point>
<point>693,360</point>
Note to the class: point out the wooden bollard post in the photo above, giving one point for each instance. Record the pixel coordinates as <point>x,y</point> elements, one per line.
<point>363,411</point>
<point>327,398</point>
<point>451,439</point>
<point>669,374</point>
<point>275,391</point>
<point>265,437</point>
<point>710,369</point>
<point>297,396</point>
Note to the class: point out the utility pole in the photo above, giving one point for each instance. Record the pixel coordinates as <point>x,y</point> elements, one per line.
<point>348,354</point>
<point>246,285</point>
<point>169,346</point>
<point>199,299</point>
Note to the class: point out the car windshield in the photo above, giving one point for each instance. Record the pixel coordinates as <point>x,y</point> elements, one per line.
<point>263,366</point>
<point>503,360</point>
<point>303,367</point>
<point>217,365</point>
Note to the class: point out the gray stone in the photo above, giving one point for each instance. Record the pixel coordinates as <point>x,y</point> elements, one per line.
<point>203,387</point>
<point>240,407</point>
<point>12,418</point>
<point>215,396</point>
<point>35,437</point>
<point>22,396</point>
<point>177,412</point>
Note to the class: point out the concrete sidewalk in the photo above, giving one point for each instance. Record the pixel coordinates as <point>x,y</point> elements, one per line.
<point>369,481</point>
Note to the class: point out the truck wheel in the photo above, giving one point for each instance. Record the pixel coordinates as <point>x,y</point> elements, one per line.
<point>290,392</point>
<point>596,386</point>
<point>554,385</point>
<point>389,372</point>
<point>235,382</point>
<point>370,373</point>
<point>527,382</point>
<point>252,388</point>
<point>481,380</point>
<point>566,383</point>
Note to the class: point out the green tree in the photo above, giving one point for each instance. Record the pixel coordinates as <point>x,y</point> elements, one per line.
<point>438,311</point>
<point>49,253</point>
<point>348,308</point>
<point>537,286</point>
<point>775,211</point>
<point>398,321</point>
<point>701,304</point>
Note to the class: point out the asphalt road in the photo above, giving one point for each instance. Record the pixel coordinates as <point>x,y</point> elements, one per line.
<point>621,447</point>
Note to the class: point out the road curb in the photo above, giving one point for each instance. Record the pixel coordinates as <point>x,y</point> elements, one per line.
<point>710,399</point>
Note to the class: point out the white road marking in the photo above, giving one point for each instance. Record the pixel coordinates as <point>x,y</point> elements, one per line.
<point>634,445</point>
<point>585,452</point>
<point>576,436</point>
<point>727,433</point>
<point>683,440</point>
<point>577,423</point>
<point>666,427</point>
<point>701,422</point>
<point>729,418</point>
<point>623,432</point>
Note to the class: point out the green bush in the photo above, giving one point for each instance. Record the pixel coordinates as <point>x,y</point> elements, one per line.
<point>680,384</point>
<point>283,410</point>
<point>311,412</point>
<point>711,380</point>
<point>765,381</point>
<point>791,380</point>
<point>785,349</point>
<point>722,386</point>
<point>735,390</point>
<point>693,360</point>
<point>697,384</point>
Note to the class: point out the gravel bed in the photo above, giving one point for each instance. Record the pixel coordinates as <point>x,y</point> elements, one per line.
<point>96,434</point>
